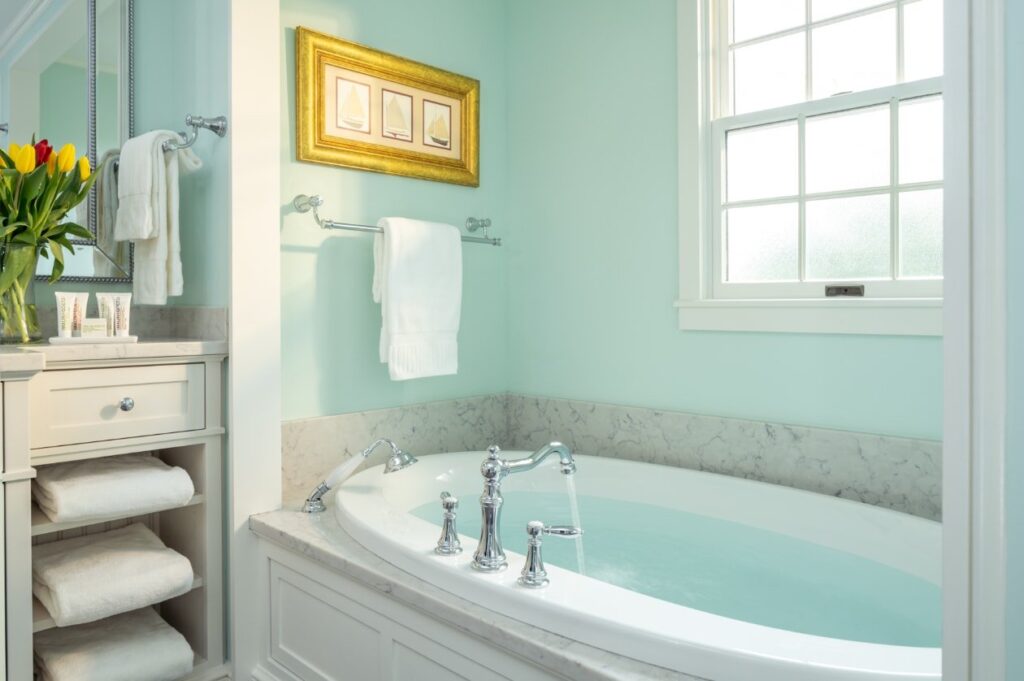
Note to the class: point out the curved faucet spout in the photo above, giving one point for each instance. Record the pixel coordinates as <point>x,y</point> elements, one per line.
<point>535,459</point>
<point>489,556</point>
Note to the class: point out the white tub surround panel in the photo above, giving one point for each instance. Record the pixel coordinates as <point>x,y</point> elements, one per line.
<point>898,473</point>
<point>313,447</point>
<point>312,567</point>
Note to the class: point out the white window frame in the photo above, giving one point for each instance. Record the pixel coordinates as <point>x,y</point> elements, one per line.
<point>706,302</point>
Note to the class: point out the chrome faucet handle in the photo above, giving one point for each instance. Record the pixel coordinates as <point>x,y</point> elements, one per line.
<point>534,576</point>
<point>494,452</point>
<point>448,544</point>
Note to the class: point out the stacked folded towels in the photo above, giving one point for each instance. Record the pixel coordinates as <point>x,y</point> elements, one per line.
<point>132,484</point>
<point>136,646</point>
<point>100,575</point>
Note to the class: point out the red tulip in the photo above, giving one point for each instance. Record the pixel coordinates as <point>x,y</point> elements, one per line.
<point>43,151</point>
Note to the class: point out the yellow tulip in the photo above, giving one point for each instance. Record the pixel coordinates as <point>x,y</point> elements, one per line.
<point>51,165</point>
<point>84,169</point>
<point>66,158</point>
<point>12,150</point>
<point>25,160</point>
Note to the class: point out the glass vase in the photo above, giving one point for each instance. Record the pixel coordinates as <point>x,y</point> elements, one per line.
<point>18,320</point>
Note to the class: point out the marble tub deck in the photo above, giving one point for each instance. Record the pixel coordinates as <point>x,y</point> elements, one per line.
<point>321,539</point>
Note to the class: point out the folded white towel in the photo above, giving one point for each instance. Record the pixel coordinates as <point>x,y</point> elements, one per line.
<point>148,213</point>
<point>133,484</point>
<point>142,186</point>
<point>136,646</point>
<point>417,279</point>
<point>98,575</point>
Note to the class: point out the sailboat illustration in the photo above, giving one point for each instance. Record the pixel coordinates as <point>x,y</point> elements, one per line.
<point>438,131</point>
<point>353,114</point>
<point>395,124</point>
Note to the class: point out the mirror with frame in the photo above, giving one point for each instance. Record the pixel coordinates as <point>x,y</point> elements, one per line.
<point>71,65</point>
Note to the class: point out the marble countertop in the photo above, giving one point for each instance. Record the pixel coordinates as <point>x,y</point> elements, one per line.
<point>15,359</point>
<point>320,538</point>
<point>38,355</point>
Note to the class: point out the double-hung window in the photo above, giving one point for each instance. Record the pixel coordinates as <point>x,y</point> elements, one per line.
<point>822,168</point>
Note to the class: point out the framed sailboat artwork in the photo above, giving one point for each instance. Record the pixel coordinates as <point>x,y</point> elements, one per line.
<point>358,107</point>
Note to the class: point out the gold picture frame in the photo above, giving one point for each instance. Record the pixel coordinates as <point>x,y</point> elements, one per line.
<point>359,107</point>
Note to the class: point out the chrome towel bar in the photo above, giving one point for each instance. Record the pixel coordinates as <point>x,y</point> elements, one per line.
<point>304,204</point>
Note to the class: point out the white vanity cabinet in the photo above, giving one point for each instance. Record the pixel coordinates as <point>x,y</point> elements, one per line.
<point>67,403</point>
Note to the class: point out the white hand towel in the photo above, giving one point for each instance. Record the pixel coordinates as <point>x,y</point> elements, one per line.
<point>136,646</point>
<point>132,484</point>
<point>99,575</point>
<point>148,213</point>
<point>417,279</point>
<point>142,186</point>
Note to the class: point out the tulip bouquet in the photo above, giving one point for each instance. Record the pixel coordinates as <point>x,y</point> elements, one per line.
<point>37,189</point>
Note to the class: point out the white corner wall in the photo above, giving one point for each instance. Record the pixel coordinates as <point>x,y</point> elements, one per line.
<point>254,377</point>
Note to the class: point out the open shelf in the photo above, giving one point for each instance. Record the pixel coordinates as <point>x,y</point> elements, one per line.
<point>41,620</point>
<point>42,525</point>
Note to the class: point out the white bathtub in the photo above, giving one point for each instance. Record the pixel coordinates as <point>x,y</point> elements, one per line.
<point>377,510</point>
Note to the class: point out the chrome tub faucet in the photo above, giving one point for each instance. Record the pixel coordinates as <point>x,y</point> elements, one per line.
<point>489,556</point>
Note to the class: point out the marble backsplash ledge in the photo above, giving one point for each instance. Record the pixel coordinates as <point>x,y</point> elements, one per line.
<point>898,473</point>
<point>312,447</point>
<point>159,321</point>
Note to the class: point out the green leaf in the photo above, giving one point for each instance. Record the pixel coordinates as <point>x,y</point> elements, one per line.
<point>11,228</point>
<point>76,230</point>
<point>8,161</point>
<point>25,238</point>
<point>34,183</point>
<point>58,269</point>
<point>58,261</point>
<point>58,254</point>
<point>16,261</point>
<point>63,241</point>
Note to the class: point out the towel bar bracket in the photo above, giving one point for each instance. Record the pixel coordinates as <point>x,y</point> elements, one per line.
<point>217,125</point>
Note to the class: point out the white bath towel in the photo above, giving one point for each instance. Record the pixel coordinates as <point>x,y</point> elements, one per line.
<point>417,279</point>
<point>136,646</point>
<point>148,213</point>
<point>99,575</point>
<point>132,484</point>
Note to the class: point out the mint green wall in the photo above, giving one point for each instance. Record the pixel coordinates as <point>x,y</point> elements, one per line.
<point>593,246</point>
<point>182,61</point>
<point>330,325</point>
<point>1015,339</point>
<point>586,196</point>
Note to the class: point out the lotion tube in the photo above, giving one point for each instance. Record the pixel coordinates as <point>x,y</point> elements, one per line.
<point>121,309</point>
<point>65,313</point>
<point>78,312</point>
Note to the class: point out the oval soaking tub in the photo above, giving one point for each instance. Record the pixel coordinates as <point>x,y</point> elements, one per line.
<point>714,576</point>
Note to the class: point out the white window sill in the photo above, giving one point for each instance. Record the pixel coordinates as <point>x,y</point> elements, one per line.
<point>887,317</point>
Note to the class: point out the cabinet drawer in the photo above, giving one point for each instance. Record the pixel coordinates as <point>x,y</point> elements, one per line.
<point>89,405</point>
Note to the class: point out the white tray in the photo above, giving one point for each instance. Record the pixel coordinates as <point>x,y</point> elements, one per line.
<point>92,340</point>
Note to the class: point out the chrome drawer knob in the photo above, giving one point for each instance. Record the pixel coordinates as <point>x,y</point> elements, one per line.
<point>127,404</point>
